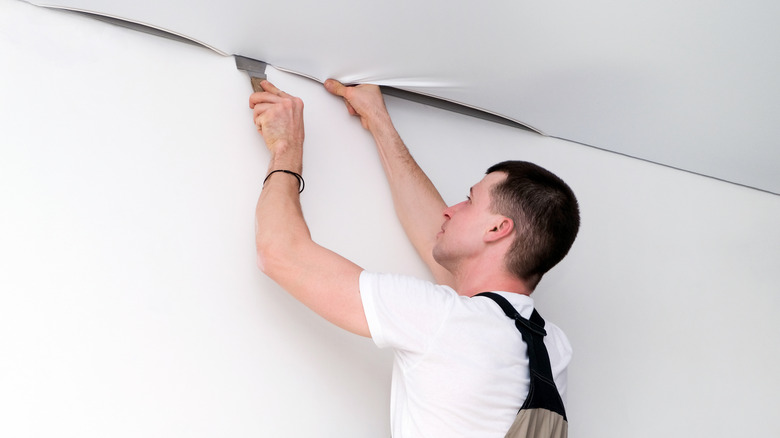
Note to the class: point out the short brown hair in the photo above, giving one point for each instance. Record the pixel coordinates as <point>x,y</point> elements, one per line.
<point>545,213</point>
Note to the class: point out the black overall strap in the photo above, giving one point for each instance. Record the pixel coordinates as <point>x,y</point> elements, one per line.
<point>542,392</point>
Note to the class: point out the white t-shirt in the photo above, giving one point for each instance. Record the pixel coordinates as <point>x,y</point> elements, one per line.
<point>460,366</point>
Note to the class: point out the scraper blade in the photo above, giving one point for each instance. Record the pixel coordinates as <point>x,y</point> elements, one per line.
<point>255,69</point>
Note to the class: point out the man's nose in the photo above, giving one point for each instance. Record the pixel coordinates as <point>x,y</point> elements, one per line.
<point>451,209</point>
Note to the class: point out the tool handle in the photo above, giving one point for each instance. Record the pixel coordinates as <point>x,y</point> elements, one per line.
<point>256,84</point>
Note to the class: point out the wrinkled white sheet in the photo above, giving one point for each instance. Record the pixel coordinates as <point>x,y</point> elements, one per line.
<point>683,83</point>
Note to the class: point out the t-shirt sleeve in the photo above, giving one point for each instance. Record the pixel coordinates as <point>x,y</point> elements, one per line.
<point>404,313</point>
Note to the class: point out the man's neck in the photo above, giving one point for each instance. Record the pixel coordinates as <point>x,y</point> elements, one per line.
<point>469,282</point>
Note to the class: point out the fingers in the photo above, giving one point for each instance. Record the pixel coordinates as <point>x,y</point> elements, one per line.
<point>350,108</point>
<point>335,87</point>
<point>276,114</point>
<point>271,88</point>
<point>270,94</point>
<point>260,108</point>
<point>262,97</point>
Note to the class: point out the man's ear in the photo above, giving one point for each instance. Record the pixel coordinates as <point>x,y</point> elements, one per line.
<point>502,227</point>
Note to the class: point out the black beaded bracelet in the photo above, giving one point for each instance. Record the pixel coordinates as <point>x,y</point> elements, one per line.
<point>301,183</point>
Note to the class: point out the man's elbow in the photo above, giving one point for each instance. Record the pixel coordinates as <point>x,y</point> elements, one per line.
<point>275,257</point>
<point>265,247</point>
<point>268,256</point>
<point>262,261</point>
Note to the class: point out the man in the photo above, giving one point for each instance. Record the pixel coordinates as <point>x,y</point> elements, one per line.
<point>460,365</point>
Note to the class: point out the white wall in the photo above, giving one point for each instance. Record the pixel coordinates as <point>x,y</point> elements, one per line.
<point>130,304</point>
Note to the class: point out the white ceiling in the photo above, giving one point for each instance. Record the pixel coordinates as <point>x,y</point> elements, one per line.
<point>685,83</point>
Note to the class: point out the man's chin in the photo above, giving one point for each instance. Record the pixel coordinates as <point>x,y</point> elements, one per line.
<point>439,256</point>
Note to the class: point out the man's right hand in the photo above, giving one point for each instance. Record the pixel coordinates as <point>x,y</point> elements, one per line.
<point>364,101</point>
<point>279,118</point>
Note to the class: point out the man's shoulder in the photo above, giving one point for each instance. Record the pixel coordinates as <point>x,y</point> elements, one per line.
<point>403,284</point>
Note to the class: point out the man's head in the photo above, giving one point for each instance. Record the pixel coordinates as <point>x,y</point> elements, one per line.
<point>545,214</point>
<point>472,232</point>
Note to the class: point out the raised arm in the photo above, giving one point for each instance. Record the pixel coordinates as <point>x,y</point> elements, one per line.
<point>321,279</point>
<point>418,204</point>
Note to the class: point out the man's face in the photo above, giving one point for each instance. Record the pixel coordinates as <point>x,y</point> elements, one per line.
<point>465,224</point>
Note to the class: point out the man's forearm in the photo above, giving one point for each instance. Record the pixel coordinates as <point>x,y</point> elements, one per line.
<point>279,217</point>
<point>417,202</point>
